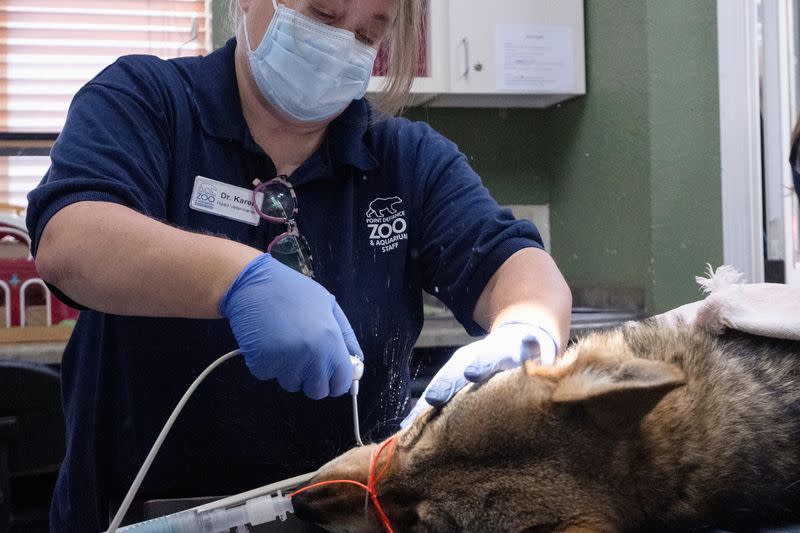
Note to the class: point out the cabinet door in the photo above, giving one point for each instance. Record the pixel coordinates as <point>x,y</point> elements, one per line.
<point>432,74</point>
<point>516,47</point>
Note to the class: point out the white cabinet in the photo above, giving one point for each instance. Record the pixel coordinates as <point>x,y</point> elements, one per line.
<point>503,53</point>
<point>519,53</point>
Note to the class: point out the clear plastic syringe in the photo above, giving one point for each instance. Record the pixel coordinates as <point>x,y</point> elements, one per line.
<point>253,512</point>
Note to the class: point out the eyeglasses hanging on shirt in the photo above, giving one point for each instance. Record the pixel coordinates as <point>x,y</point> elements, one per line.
<point>279,206</point>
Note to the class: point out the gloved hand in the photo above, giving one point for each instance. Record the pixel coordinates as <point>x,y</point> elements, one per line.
<point>501,350</point>
<point>291,329</point>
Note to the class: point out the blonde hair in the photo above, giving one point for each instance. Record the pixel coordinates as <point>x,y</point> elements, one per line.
<point>403,53</point>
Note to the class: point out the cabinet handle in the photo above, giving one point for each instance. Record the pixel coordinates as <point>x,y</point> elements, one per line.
<point>465,44</point>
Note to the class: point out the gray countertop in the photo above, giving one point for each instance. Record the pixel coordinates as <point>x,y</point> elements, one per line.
<point>440,330</point>
<point>45,353</point>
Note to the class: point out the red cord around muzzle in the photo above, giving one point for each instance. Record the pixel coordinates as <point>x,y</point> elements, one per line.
<point>372,481</point>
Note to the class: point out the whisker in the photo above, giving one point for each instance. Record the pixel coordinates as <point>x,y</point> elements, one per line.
<point>790,485</point>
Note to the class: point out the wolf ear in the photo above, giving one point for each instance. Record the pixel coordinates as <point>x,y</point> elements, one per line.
<point>618,396</point>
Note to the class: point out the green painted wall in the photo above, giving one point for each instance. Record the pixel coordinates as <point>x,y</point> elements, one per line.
<point>686,218</point>
<point>598,167</point>
<point>631,170</point>
<point>504,146</point>
<point>635,179</point>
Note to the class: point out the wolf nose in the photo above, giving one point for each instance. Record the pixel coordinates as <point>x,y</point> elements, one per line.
<point>304,508</point>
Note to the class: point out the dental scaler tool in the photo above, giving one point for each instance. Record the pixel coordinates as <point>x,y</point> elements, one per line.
<point>358,371</point>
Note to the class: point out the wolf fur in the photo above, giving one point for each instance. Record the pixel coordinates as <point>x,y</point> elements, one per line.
<point>636,429</point>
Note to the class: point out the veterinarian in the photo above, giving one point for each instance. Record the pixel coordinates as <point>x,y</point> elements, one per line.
<point>146,219</point>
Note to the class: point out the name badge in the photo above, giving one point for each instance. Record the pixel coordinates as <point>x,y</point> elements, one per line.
<point>224,200</point>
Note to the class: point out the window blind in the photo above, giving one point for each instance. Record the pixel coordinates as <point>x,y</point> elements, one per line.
<point>50,48</point>
<point>18,175</point>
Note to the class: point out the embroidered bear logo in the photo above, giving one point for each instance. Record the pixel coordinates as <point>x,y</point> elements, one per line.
<point>382,207</point>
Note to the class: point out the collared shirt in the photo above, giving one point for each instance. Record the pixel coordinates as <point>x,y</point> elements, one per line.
<point>390,208</point>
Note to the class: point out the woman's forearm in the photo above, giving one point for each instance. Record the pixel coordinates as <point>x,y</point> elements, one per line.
<point>110,258</point>
<point>529,287</point>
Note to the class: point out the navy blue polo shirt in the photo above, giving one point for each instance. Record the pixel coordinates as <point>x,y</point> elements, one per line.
<point>389,207</point>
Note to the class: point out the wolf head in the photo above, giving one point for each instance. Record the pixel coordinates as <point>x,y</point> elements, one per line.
<point>534,449</point>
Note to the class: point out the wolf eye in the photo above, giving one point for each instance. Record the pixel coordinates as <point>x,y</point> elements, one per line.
<point>543,528</point>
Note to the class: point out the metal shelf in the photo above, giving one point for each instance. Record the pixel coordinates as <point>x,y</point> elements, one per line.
<point>444,330</point>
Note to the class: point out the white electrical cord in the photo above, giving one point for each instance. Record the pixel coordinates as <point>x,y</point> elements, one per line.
<point>356,428</point>
<point>126,503</point>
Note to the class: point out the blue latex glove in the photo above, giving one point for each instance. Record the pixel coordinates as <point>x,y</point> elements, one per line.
<point>291,329</point>
<point>504,348</point>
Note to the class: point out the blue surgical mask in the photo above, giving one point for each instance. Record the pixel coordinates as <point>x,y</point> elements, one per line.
<point>308,70</point>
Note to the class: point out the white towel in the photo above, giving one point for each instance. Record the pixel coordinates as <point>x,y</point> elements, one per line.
<point>766,309</point>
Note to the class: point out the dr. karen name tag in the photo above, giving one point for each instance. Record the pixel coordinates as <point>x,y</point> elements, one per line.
<point>224,200</point>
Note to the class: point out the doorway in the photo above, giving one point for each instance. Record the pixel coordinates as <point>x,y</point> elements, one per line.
<point>779,76</point>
